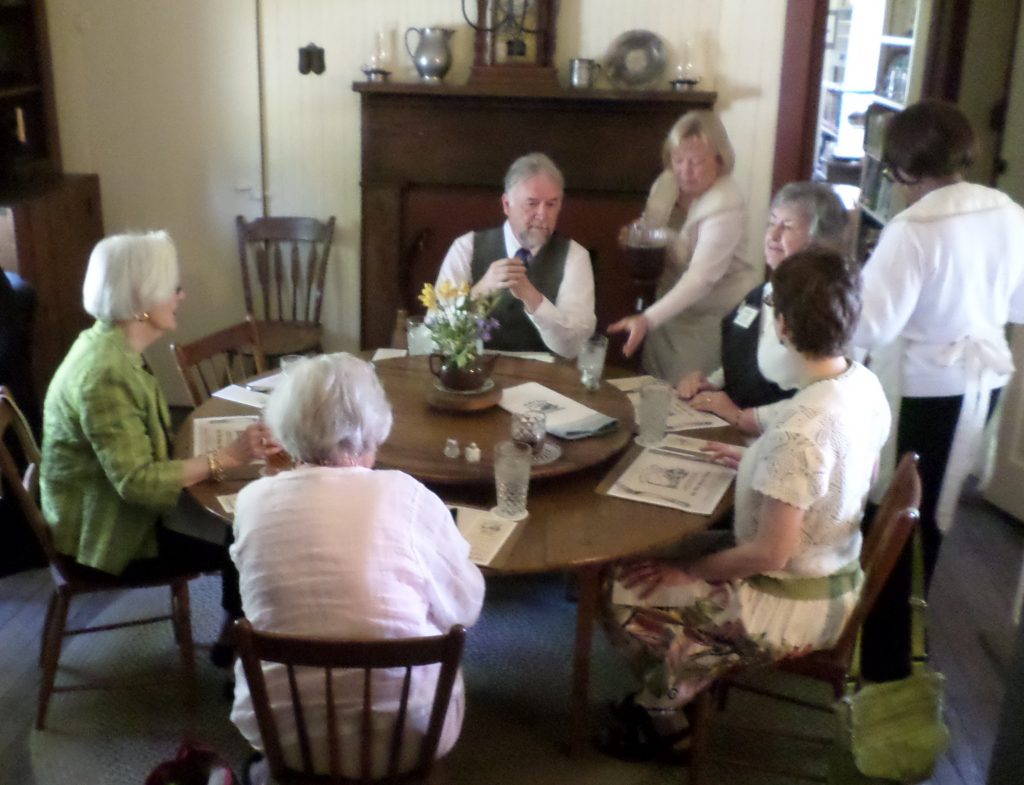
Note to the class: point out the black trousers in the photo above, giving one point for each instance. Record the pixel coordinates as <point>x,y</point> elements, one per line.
<point>179,551</point>
<point>926,426</point>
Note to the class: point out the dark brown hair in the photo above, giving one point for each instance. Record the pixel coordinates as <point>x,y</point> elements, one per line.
<point>929,139</point>
<point>817,293</point>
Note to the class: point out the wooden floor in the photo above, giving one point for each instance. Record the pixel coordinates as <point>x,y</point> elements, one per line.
<point>970,630</point>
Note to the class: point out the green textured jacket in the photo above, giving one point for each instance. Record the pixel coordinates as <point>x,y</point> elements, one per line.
<point>106,473</point>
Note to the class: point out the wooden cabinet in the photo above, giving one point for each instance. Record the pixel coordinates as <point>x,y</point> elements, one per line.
<point>47,230</point>
<point>28,125</point>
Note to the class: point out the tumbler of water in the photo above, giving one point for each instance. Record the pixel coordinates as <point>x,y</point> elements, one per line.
<point>420,340</point>
<point>530,428</point>
<point>590,361</point>
<point>655,400</point>
<point>512,462</point>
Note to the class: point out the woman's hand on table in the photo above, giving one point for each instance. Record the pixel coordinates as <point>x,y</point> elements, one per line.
<point>724,454</point>
<point>694,382</point>
<point>717,402</point>
<point>646,575</point>
<point>637,327</point>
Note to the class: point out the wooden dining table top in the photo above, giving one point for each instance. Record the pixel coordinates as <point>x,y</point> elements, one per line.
<point>570,525</point>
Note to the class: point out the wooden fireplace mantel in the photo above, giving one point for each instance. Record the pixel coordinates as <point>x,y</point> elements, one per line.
<point>434,158</point>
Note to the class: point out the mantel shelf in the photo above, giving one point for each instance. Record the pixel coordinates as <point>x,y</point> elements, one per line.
<point>683,98</point>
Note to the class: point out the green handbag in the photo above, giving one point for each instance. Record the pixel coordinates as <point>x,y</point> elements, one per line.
<point>895,729</point>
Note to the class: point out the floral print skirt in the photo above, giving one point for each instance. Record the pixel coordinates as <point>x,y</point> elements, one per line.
<point>711,628</point>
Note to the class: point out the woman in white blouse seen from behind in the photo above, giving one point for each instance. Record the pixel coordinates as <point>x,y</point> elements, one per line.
<point>335,549</point>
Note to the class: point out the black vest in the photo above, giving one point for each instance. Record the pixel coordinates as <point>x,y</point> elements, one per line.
<point>516,333</point>
<point>744,382</point>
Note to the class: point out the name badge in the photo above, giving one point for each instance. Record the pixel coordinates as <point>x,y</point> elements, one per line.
<point>745,316</point>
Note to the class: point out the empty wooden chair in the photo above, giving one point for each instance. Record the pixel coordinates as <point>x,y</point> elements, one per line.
<point>284,265</point>
<point>228,356</point>
<point>71,579</point>
<point>297,653</point>
<point>894,523</point>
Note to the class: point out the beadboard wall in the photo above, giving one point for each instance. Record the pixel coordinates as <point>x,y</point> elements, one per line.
<point>160,98</point>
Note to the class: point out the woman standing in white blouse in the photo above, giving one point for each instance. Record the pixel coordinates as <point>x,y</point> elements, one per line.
<point>335,549</point>
<point>946,277</point>
<point>707,271</point>
<point>793,576</point>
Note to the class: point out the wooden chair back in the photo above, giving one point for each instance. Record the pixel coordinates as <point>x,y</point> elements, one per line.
<point>284,265</point>
<point>894,523</point>
<point>294,652</point>
<point>228,356</point>
<point>23,484</point>
<point>71,579</point>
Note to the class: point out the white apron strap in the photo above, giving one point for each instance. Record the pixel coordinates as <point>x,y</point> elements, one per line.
<point>986,359</point>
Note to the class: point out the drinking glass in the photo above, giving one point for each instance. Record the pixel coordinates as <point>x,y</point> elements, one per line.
<point>655,400</point>
<point>419,339</point>
<point>512,462</point>
<point>530,428</point>
<point>591,361</point>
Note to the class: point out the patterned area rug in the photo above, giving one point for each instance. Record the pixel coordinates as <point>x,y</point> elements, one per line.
<point>517,669</point>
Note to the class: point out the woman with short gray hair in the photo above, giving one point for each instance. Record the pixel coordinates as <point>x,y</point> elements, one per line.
<point>108,483</point>
<point>335,549</point>
<point>757,369</point>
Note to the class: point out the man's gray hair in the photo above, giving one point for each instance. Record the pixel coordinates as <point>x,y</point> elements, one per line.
<point>328,403</point>
<point>703,124</point>
<point>529,165</point>
<point>821,206</point>
<point>128,274</point>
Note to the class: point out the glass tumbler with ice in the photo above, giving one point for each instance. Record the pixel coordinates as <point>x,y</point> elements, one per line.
<point>512,462</point>
<point>590,361</point>
<point>655,400</point>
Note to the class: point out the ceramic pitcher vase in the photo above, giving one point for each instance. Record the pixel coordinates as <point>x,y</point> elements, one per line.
<point>472,378</point>
<point>432,56</point>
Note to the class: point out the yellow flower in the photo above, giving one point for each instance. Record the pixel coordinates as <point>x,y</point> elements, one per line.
<point>428,297</point>
<point>463,289</point>
<point>447,290</point>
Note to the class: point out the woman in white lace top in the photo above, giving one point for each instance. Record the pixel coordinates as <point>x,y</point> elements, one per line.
<point>793,576</point>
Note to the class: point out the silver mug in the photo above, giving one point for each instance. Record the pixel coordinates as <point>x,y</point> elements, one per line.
<point>582,71</point>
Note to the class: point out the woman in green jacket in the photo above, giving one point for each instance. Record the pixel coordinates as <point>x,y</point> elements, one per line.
<point>107,474</point>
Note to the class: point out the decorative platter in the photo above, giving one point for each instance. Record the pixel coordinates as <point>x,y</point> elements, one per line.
<point>636,59</point>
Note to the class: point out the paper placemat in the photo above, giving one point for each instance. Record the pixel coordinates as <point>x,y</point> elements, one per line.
<point>566,418</point>
<point>486,533</point>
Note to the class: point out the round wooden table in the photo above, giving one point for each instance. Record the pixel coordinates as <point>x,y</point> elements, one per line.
<point>571,527</point>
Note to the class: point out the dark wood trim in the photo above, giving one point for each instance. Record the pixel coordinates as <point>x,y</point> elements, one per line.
<point>45,64</point>
<point>800,80</point>
<point>944,57</point>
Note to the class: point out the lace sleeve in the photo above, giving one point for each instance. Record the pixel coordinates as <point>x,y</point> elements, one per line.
<point>791,468</point>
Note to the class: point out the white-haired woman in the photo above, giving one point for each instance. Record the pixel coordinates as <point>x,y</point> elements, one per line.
<point>757,369</point>
<point>707,272</point>
<point>380,555</point>
<point>107,475</point>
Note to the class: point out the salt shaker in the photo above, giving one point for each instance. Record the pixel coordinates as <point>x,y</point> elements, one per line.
<point>451,448</point>
<point>472,453</point>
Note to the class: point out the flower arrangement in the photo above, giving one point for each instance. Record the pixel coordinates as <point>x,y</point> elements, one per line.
<point>459,323</point>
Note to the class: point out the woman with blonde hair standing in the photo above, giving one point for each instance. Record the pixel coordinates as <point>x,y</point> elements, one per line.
<point>707,272</point>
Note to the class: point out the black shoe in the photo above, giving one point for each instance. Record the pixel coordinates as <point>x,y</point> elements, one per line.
<point>631,735</point>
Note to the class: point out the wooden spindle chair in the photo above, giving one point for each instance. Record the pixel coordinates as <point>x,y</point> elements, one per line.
<point>228,356</point>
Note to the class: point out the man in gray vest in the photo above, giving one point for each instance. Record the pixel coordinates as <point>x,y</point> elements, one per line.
<point>547,300</point>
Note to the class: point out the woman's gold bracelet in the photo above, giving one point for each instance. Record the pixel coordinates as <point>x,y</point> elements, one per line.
<point>216,470</point>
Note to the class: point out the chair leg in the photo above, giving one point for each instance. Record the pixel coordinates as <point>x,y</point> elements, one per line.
<point>47,623</point>
<point>700,717</point>
<point>53,637</point>
<point>181,614</point>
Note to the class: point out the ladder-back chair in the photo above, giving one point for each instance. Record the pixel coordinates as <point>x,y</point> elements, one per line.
<point>299,653</point>
<point>894,524</point>
<point>284,265</point>
<point>228,356</point>
<point>71,579</point>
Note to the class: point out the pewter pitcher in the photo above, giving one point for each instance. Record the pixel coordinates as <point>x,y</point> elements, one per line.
<point>432,57</point>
